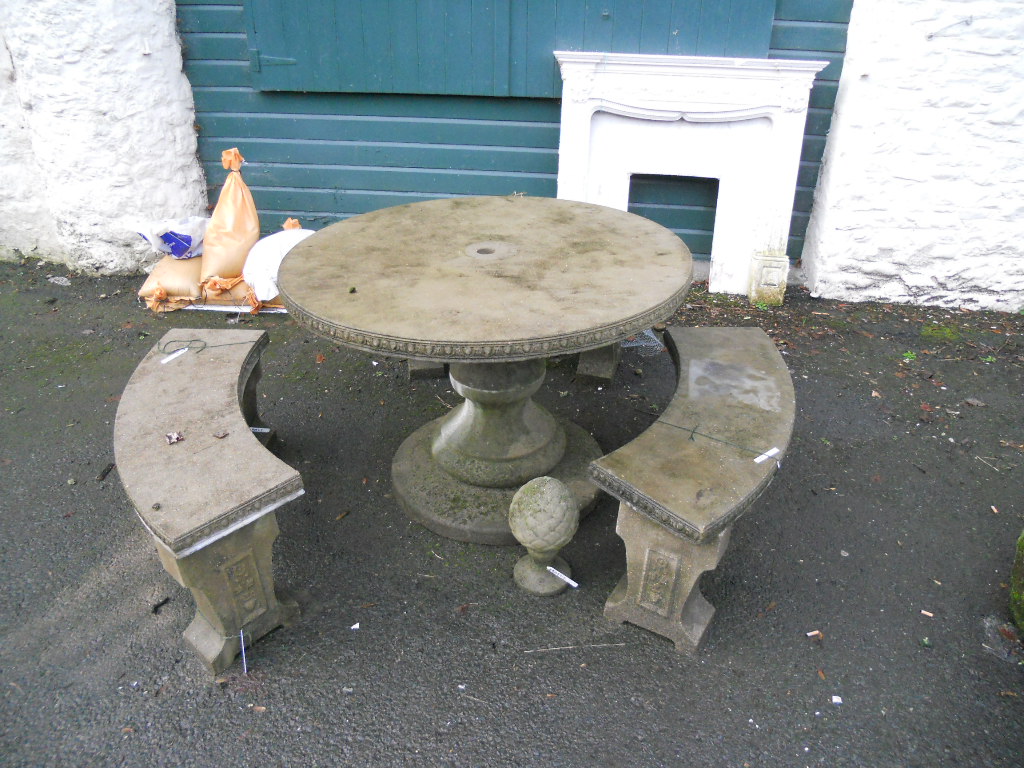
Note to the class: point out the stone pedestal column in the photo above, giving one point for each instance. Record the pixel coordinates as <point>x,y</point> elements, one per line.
<point>498,437</point>
<point>457,475</point>
<point>232,582</point>
<point>659,591</point>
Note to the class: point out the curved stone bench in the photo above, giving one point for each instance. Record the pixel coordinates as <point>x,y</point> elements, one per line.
<point>208,499</point>
<point>684,481</point>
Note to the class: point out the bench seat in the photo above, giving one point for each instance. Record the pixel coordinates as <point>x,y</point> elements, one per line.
<point>209,498</point>
<point>685,480</point>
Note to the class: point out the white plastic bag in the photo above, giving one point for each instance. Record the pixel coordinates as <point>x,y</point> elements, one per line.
<point>264,260</point>
<point>181,238</point>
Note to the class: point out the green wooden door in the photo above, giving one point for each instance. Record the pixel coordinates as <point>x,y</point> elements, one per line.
<point>325,155</point>
<point>380,46</point>
<point>479,47</point>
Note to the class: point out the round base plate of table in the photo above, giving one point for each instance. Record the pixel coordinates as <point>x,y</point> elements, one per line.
<point>472,513</point>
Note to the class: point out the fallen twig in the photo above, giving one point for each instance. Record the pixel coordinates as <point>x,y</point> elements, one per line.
<point>985,462</point>
<point>571,647</point>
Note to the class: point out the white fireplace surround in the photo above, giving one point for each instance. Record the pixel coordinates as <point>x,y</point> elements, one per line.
<point>740,121</point>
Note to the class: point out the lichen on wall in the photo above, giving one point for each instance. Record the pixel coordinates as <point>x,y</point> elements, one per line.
<point>919,198</point>
<point>98,130</point>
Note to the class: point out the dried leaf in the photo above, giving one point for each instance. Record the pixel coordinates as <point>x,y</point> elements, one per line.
<point>1008,633</point>
<point>320,358</point>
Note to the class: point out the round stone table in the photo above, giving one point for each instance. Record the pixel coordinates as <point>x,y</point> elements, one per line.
<point>493,286</point>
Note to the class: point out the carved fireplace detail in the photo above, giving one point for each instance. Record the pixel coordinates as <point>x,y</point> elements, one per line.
<point>740,121</point>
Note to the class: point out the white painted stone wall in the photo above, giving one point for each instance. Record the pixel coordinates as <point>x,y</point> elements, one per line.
<point>96,130</point>
<point>921,197</point>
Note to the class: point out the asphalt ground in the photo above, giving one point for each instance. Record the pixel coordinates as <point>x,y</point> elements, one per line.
<point>862,607</point>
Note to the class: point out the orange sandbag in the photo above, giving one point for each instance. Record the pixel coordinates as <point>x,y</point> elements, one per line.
<point>215,286</point>
<point>258,306</point>
<point>234,227</point>
<point>230,291</point>
<point>173,284</point>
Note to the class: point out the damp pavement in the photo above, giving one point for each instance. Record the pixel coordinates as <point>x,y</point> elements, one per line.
<point>862,615</point>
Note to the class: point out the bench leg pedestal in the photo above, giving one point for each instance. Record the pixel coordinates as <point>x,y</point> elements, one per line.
<point>232,582</point>
<point>425,369</point>
<point>599,365</point>
<point>660,589</point>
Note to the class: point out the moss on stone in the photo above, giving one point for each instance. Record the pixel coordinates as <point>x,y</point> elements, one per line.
<point>1017,585</point>
<point>936,332</point>
<point>769,295</point>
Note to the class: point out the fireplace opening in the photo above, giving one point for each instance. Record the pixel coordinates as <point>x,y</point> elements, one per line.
<point>740,121</point>
<point>684,204</point>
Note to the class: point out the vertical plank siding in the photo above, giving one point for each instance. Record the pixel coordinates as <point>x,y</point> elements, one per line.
<point>322,157</point>
<point>811,29</point>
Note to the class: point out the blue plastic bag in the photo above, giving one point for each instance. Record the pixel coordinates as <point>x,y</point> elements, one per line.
<point>181,238</point>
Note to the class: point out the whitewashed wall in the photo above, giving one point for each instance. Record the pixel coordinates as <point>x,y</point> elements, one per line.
<point>96,130</point>
<point>921,196</point>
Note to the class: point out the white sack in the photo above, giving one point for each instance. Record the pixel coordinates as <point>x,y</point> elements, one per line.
<point>263,261</point>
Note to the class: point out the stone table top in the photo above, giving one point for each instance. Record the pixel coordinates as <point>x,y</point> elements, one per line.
<point>486,278</point>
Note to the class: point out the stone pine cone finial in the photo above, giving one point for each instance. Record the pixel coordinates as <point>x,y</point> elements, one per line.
<point>543,517</point>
